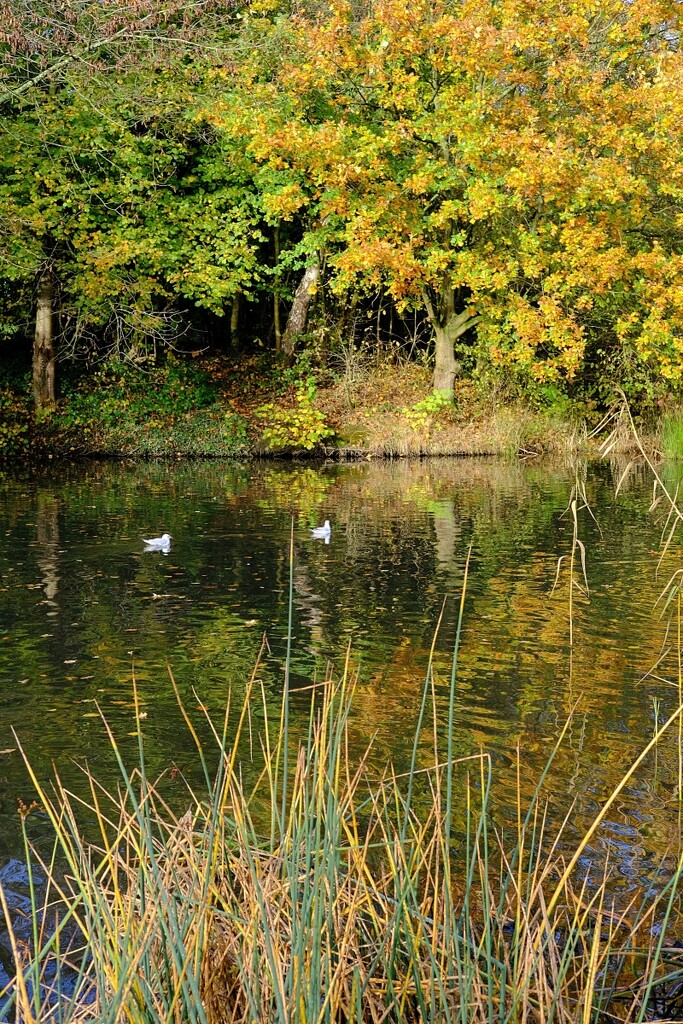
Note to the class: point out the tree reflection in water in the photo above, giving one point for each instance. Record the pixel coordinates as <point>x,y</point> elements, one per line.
<point>401,535</point>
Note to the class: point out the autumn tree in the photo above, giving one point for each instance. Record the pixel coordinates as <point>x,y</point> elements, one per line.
<point>517,169</point>
<point>514,170</point>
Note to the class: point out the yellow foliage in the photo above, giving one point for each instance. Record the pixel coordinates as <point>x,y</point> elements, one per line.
<point>525,156</point>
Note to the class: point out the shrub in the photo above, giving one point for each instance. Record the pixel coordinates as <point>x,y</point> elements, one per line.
<point>302,426</point>
<point>14,424</point>
<point>117,390</point>
<point>16,412</point>
<point>424,415</point>
<point>168,411</point>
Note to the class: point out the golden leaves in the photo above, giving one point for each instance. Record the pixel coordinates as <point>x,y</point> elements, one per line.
<point>528,153</point>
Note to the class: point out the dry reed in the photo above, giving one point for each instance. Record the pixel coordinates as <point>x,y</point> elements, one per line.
<point>342,903</point>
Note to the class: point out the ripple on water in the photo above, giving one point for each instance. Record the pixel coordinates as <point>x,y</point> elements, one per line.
<point>84,607</point>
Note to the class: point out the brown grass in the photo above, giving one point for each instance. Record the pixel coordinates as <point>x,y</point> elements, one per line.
<point>369,414</point>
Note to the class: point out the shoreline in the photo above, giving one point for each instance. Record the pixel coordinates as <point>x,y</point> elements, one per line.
<point>245,409</point>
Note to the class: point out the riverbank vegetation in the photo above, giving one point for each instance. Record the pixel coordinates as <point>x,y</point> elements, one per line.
<point>240,406</point>
<point>333,890</point>
<point>304,878</point>
<point>490,194</point>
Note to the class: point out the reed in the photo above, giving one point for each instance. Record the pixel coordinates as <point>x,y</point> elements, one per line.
<point>671,434</point>
<point>320,894</point>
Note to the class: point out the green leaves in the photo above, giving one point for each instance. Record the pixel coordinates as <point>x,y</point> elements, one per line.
<point>301,426</point>
<point>137,205</point>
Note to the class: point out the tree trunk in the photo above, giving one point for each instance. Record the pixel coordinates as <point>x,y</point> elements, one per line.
<point>43,346</point>
<point>446,366</point>
<point>448,327</point>
<point>276,290</point>
<point>296,323</point>
<point>235,321</point>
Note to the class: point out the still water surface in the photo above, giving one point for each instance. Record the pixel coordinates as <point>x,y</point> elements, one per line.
<point>82,606</point>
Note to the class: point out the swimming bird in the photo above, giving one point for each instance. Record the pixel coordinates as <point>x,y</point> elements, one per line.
<point>322,532</point>
<point>162,543</point>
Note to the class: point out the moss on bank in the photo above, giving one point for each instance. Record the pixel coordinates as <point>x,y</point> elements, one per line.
<point>220,407</point>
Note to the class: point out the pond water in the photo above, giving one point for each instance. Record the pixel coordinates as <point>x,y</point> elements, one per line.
<point>83,606</point>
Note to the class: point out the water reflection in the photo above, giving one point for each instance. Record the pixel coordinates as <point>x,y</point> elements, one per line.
<point>82,606</point>
<point>47,539</point>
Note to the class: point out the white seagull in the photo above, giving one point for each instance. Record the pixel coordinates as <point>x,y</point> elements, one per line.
<point>162,543</point>
<point>322,532</point>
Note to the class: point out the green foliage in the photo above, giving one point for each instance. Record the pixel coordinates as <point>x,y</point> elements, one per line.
<point>117,390</point>
<point>424,415</point>
<point>551,397</point>
<point>14,424</point>
<point>119,185</point>
<point>16,417</point>
<point>302,426</point>
<point>671,434</point>
<point>164,411</point>
<point>200,434</point>
<point>300,374</point>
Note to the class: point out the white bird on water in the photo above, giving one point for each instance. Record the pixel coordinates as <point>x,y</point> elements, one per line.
<point>322,532</point>
<point>162,543</point>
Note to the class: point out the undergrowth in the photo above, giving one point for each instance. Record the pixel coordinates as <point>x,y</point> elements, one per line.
<point>169,410</point>
<point>239,406</point>
<point>295,427</point>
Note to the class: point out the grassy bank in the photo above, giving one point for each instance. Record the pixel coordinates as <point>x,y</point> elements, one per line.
<point>208,407</point>
<point>326,893</point>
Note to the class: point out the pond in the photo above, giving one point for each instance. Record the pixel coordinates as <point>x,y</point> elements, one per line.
<point>83,607</point>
